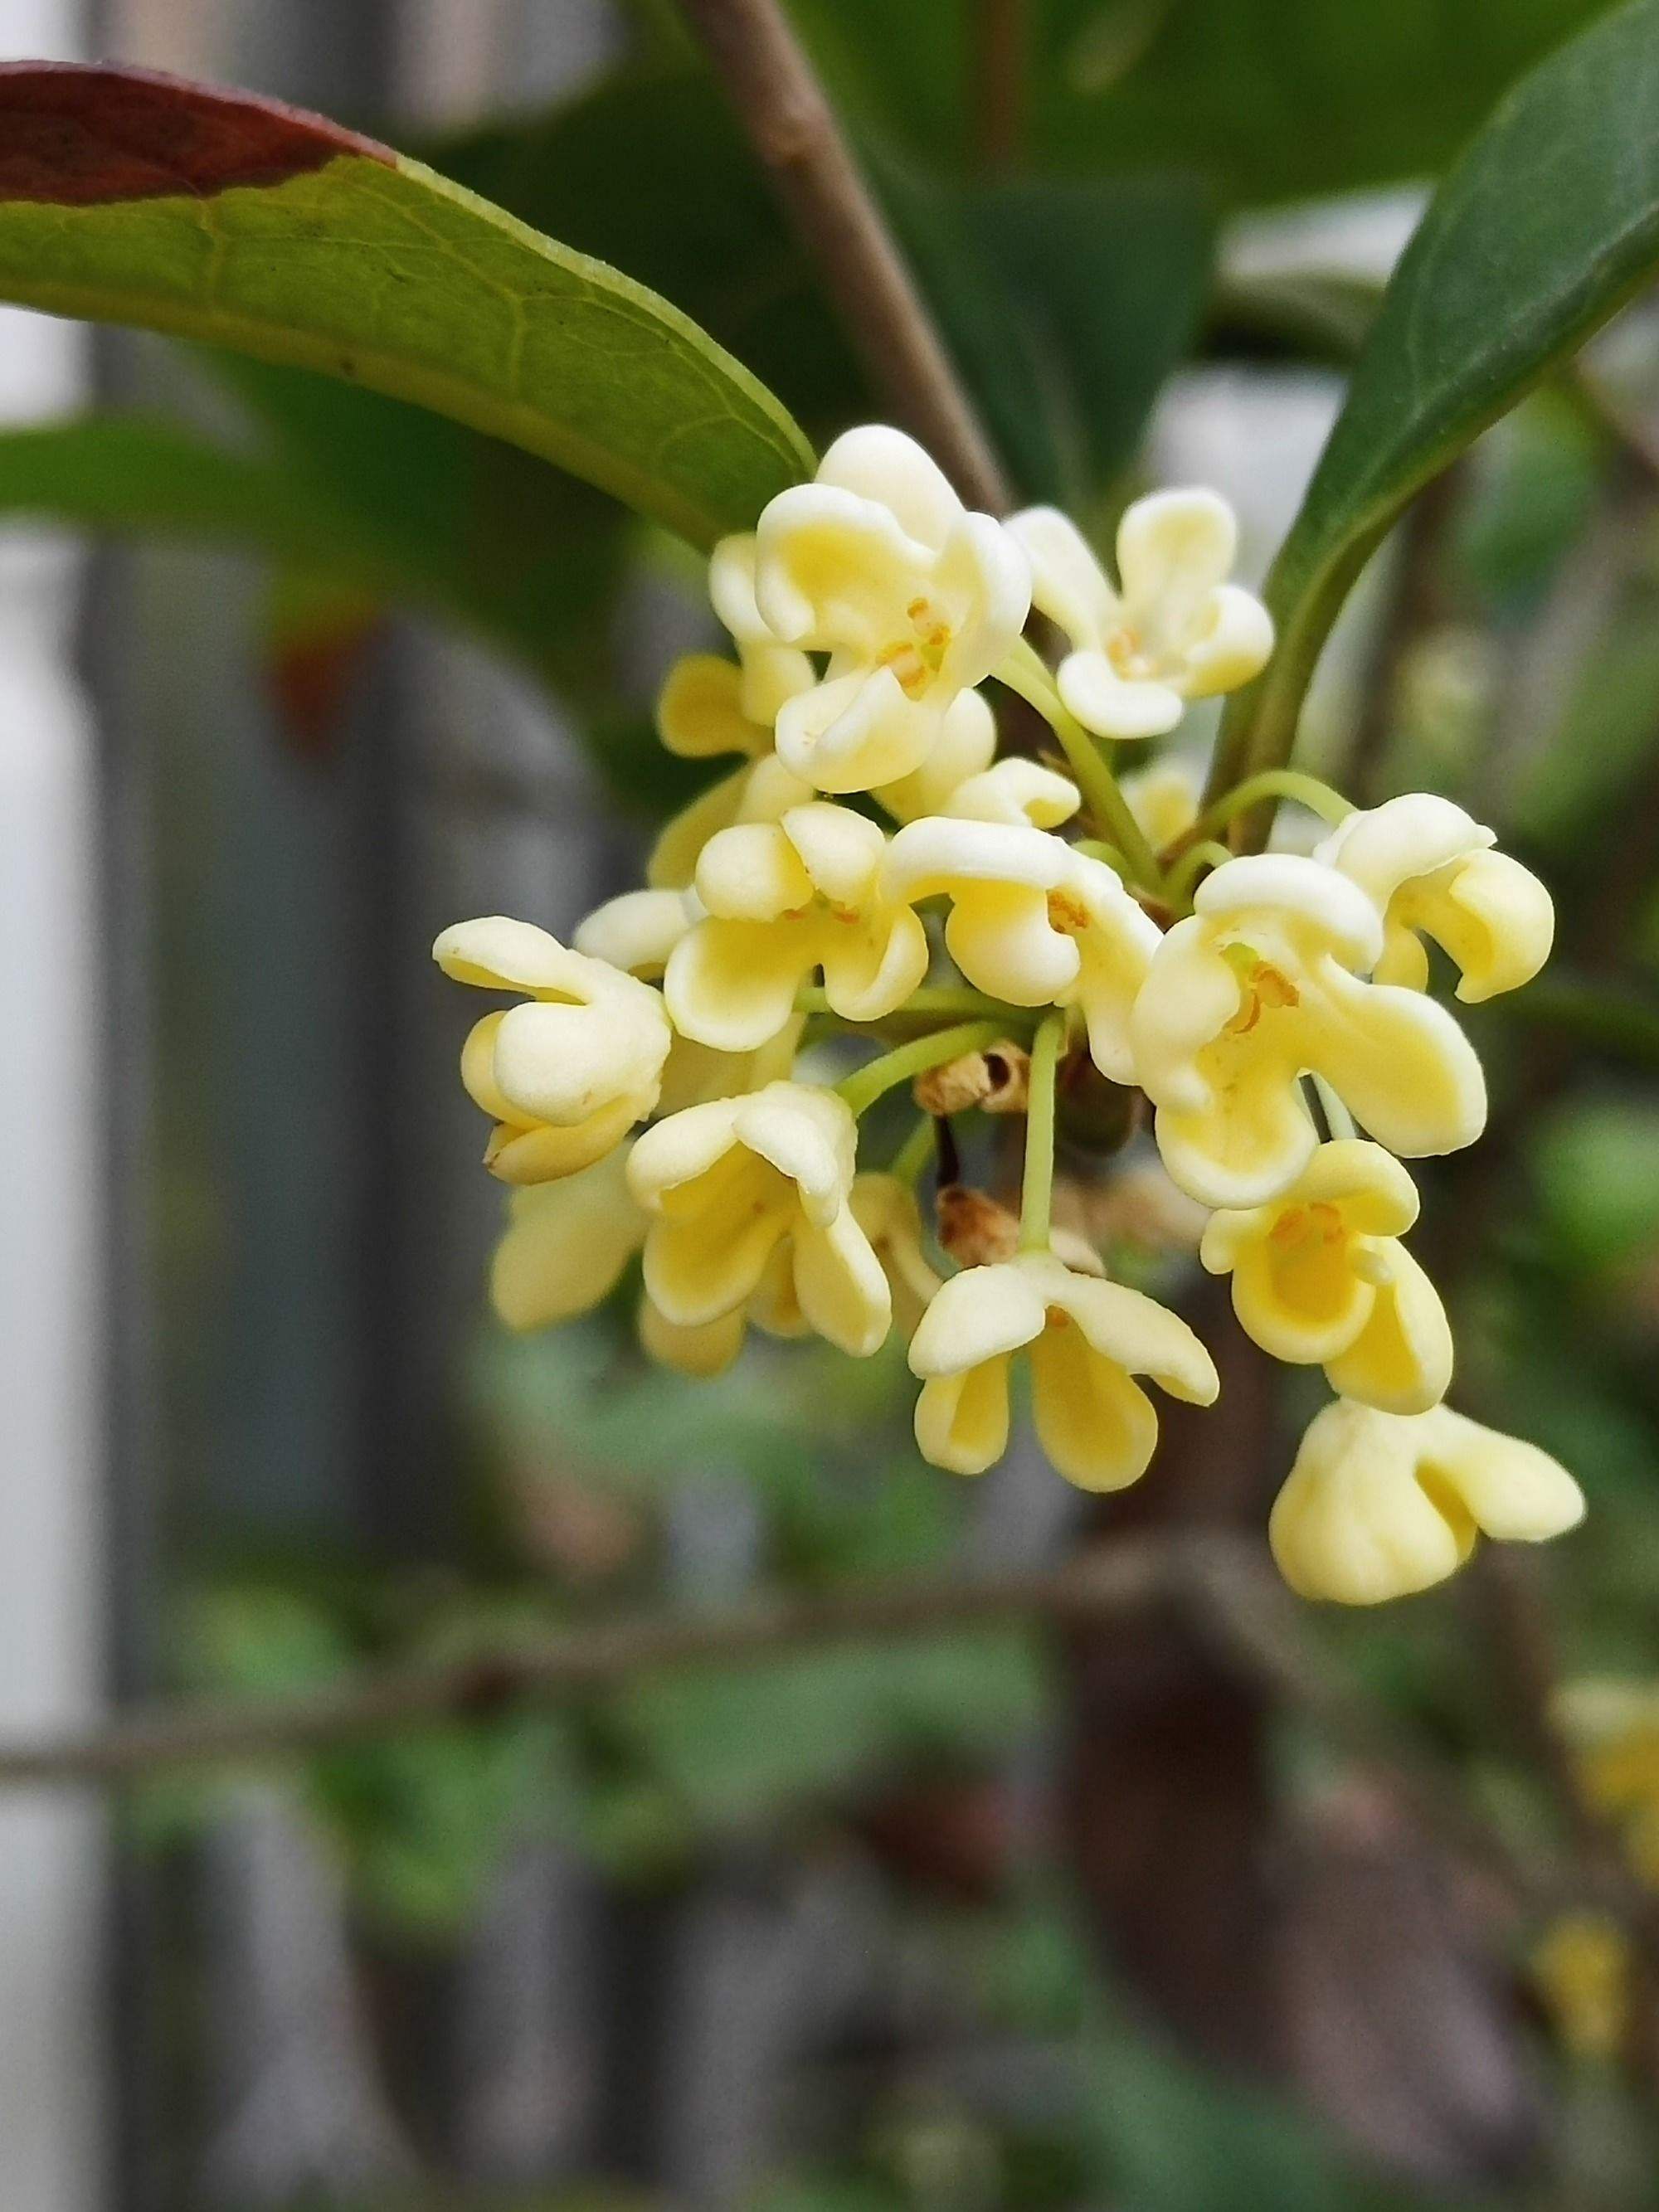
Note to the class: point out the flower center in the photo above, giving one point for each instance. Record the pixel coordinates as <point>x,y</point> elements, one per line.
<point>916,660</point>
<point>1067,914</point>
<point>1262,987</point>
<point>1318,1223</point>
<point>1123,650</point>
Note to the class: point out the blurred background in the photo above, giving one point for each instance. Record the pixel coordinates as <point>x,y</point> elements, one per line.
<point>982,1920</point>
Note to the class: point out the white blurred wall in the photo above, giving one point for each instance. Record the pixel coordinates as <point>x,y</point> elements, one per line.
<point>50,1180</point>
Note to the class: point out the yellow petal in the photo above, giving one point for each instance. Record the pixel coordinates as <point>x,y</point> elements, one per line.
<point>966,745</point>
<point>962,1420</point>
<point>499,954</point>
<point>1352,1523</point>
<point>1512,1491</point>
<point>871,966</point>
<point>1398,1061</point>
<point>699,712</point>
<point>877,463</point>
<point>858,731</point>
<point>1173,549</point>
<point>732,985</point>
<point>1253,1139</point>
<point>1068,584</point>
<point>1096,1427</point>
<point>840,850</point>
<point>1303,1302</point>
<point>1020,791</point>
<point>637,930</point>
<point>976,1316</point>
<point>700,1353</point>
<point>1112,706</point>
<point>563,1064</point>
<point>565,1246</point>
<point>1401,1360</point>
<point>1497,922</point>
<point>544,1153</point>
<point>807,1134</point>
<point>1127,1327</point>
<point>752,873</point>
<point>841,1284</point>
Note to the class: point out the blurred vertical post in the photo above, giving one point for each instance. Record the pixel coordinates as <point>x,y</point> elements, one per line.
<point>51,1365</point>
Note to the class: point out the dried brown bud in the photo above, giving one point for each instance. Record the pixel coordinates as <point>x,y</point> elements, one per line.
<point>974,1229</point>
<point>997,1080</point>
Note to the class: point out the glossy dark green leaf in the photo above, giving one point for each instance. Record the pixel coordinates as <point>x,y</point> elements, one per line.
<point>1545,227</point>
<point>131,198</point>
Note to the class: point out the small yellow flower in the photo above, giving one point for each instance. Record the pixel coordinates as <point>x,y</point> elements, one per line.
<point>1379,1505</point>
<point>1175,631</point>
<point>1431,871</point>
<point>1319,1275</point>
<point>1263,985</point>
<point>727,1182</point>
<point>1033,922</point>
<point>877,564</point>
<point>1087,1338</point>
<point>565,1077</point>
<point>784,901</point>
<point>1613,1728</point>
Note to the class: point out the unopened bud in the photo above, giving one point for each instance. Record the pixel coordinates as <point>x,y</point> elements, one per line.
<point>974,1229</point>
<point>997,1080</point>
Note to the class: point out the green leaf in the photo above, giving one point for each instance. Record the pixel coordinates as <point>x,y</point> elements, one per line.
<point>1263,100</point>
<point>1546,226</point>
<point>219,217</point>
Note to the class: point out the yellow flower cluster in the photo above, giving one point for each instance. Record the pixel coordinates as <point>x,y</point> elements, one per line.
<point>872,864</point>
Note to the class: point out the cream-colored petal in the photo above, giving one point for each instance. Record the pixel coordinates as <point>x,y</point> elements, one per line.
<point>1376,1196</point>
<point>841,850</point>
<point>962,1420</point>
<point>1352,1523</point>
<point>1305,897</point>
<point>499,954</point>
<point>876,462</point>
<point>565,1246</point>
<point>700,712</point>
<point>1497,922</point>
<point>1117,946</point>
<point>1405,958</point>
<point>732,588</point>
<point>700,1353</point>
<point>1114,705</point>
<point>809,1134</point>
<point>940,854</point>
<point>673,860</point>
<point>1096,1427</point>
<point>1068,584</point>
<point>841,1285</point>
<point>1248,1144</point>
<point>676,1151</point>
<point>1173,549</point>
<point>857,732</point>
<point>886,1210</point>
<point>731,984</point>
<point>1401,1361</point>
<point>637,930</point>
<point>1002,938</point>
<point>1514,1492</point>
<point>775,1306</point>
<point>1189,996</point>
<point>978,1316</point>
<point>696,1072</point>
<point>752,873</point>
<point>1016,791</point>
<point>835,572</point>
<point>1398,1061</point>
<point>984,580</point>
<point>1230,642</point>
<point>965,745</point>
<point>543,1154</point>
<point>1132,1330</point>
<point>710,1262</point>
<point>562,1063</point>
<point>872,964</point>
<point>1303,1303</point>
<point>1382,847</point>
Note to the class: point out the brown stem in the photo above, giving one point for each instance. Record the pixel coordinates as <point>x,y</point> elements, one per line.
<point>1000,61</point>
<point>793,131</point>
